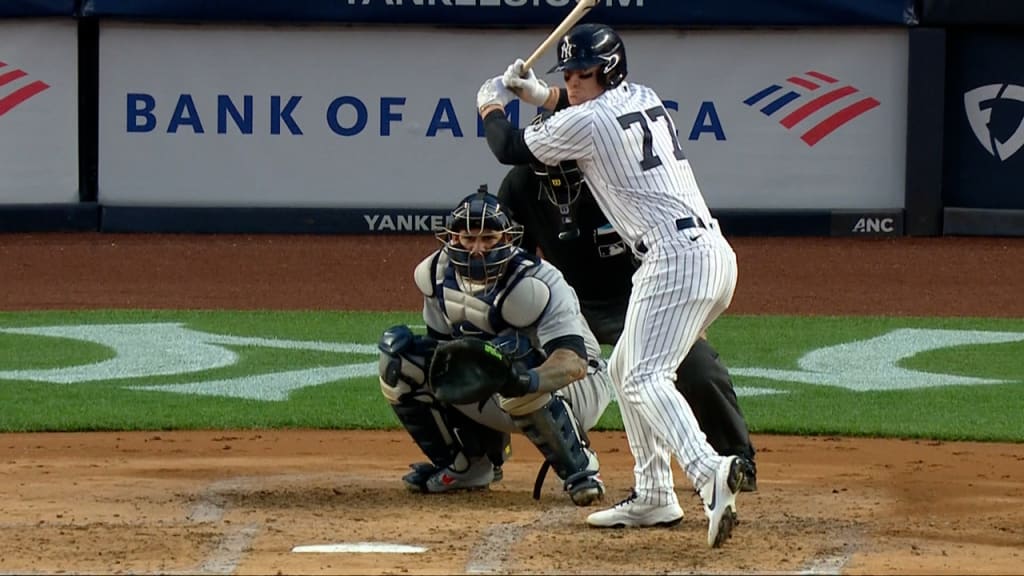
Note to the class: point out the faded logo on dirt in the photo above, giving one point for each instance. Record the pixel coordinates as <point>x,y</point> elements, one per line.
<point>150,350</point>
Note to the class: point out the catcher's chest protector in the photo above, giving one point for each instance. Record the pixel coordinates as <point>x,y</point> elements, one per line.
<point>478,315</point>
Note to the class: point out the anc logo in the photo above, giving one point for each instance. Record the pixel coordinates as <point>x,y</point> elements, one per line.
<point>811,93</point>
<point>15,88</point>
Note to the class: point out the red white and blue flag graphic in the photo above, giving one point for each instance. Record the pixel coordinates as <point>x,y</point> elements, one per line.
<point>804,96</point>
<point>16,87</point>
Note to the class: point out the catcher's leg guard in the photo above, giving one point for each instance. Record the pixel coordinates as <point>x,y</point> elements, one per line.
<point>554,431</point>
<point>451,441</point>
<point>448,438</point>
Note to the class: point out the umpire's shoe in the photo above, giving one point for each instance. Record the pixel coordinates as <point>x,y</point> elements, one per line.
<point>719,497</point>
<point>749,475</point>
<point>630,513</point>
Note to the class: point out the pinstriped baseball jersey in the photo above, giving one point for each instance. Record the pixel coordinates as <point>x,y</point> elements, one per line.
<point>626,145</point>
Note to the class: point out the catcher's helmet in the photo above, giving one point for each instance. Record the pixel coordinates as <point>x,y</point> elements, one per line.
<point>588,45</point>
<point>475,214</point>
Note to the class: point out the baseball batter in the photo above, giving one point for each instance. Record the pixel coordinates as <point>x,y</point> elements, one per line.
<point>561,218</point>
<point>625,144</point>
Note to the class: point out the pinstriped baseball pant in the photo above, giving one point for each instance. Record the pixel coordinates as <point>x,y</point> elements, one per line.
<point>686,280</point>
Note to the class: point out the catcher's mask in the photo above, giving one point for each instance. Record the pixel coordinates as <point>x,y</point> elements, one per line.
<point>480,239</point>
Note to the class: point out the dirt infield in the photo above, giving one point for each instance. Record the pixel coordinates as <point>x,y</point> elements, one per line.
<point>237,502</point>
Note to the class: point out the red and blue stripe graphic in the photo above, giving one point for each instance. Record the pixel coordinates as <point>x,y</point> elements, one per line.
<point>8,100</point>
<point>824,91</point>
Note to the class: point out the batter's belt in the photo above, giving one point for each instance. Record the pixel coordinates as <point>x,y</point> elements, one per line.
<point>678,225</point>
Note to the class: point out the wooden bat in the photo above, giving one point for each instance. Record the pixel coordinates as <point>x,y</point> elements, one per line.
<point>582,7</point>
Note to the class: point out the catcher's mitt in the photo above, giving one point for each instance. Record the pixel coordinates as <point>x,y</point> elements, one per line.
<point>468,370</point>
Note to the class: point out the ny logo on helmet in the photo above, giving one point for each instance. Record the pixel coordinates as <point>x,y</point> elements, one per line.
<point>566,49</point>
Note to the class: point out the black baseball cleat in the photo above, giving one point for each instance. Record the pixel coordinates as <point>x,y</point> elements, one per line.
<point>749,475</point>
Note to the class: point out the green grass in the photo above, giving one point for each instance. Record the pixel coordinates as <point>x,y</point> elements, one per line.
<point>953,412</point>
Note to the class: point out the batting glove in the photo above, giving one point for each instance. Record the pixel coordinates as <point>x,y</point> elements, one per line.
<point>527,86</point>
<point>493,91</point>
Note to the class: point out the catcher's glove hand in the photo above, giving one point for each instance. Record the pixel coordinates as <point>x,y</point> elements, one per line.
<point>470,370</point>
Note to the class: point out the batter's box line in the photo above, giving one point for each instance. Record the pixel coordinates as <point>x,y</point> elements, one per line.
<point>492,554</point>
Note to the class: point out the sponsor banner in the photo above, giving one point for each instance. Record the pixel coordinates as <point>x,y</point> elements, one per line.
<point>985,121</point>
<point>22,8</point>
<point>518,12</point>
<point>946,12</point>
<point>247,220</point>
<point>38,112</point>
<point>244,116</point>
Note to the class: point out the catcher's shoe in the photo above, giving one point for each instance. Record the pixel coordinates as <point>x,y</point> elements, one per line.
<point>719,497</point>
<point>631,513</point>
<point>586,488</point>
<point>477,476</point>
<point>416,480</point>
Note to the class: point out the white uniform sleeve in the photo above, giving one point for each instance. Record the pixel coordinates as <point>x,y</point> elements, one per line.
<point>567,135</point>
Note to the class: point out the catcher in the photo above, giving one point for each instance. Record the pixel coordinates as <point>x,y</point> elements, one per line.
<point>506,350</point>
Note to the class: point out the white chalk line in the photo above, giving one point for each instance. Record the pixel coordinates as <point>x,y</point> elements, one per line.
<point>492,554</point>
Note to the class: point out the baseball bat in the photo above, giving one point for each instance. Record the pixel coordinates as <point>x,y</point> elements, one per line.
<point>582,7</point>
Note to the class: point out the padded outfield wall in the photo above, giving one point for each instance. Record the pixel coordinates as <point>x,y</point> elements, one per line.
<point>210,119</point>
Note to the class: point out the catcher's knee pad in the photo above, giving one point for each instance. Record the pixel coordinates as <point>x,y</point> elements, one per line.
<point>525,405</point>
<point>404,359</point>
<point>553,429</point>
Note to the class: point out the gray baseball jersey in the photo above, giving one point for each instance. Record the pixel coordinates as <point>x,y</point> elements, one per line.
<point>626,146</point>
<point>532,298</point>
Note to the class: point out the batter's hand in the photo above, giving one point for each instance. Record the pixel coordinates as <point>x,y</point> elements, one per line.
<point>527,86</point>
<point>493,93</point>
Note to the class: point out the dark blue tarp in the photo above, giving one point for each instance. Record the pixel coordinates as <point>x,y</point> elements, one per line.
<point>953,12</point>
<point>22,8</point>
<point>519,12</point>
<point>984,156</point>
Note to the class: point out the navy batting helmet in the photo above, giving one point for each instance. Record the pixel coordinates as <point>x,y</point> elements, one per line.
<point>588,45</point>
<point>480,214</point>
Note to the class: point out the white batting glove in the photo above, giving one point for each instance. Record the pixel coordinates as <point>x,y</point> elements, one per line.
<point>527,86</point>
<point>493,91</point>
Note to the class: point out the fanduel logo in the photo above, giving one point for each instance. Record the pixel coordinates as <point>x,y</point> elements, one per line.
<point>15,89</point>
<point>978,105</point>
<point>836,100</point>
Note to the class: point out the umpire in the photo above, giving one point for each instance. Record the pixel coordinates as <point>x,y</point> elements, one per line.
<point>562,219</point>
